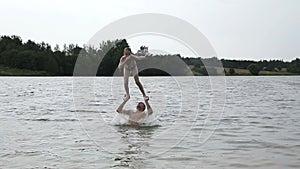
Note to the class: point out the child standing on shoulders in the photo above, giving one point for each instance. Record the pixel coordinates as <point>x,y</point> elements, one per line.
<point>128,62</point>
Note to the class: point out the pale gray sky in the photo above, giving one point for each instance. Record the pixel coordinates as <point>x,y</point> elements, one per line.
<point>238,29</point>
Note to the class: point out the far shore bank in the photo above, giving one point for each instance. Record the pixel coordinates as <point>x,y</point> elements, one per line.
<point>8,71</point>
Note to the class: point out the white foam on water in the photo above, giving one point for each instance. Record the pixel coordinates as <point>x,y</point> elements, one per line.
<point>120,119</point>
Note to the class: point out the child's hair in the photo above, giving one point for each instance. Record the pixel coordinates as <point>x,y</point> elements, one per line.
<point>128,48</point>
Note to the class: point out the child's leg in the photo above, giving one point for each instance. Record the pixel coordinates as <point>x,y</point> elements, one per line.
<point>139,84</point>
<point>126,78</point>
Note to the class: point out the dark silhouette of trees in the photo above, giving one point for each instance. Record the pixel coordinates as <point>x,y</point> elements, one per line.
<point>231,71</point>
<point>254,69</point>
<point>40,57</point>
<point>279,68</point>
<point>15,53</point>
<point>294,66</point>
<point>111,52</point>
<point>29,55</point>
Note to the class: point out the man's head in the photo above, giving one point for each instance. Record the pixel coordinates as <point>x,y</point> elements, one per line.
<point>141,106</point>
<point>127,51</point>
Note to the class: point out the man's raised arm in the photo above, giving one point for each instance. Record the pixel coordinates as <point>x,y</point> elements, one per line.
<point>149,109</point>
<point>120,108</point>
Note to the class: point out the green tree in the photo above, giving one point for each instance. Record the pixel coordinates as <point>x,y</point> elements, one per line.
<point>231,71</point>
<point>294,66</point>
<point>51,66</point>
<point>279,68</point>
<point>111,52</point>
<point>56,48</point>
<point>254,69</point>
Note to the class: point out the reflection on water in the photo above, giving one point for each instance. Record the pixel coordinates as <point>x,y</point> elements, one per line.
<point>136,138</point>
<point>42,128</point>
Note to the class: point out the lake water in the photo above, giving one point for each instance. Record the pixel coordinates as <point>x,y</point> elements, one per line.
<point>198,122</point>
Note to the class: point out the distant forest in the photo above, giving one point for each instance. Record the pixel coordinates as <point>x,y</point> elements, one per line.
<point>16,54</point>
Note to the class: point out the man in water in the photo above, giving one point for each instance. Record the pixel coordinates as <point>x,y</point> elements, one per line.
<point>136,115</point>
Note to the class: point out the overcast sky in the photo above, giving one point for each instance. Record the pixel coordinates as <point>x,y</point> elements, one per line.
<point>237,29</point>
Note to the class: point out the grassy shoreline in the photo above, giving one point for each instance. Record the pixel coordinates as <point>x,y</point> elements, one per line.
<point>8,71</point>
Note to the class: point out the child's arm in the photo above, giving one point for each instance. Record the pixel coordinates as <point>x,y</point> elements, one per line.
<point>138,57</point>
<point>122,62</point>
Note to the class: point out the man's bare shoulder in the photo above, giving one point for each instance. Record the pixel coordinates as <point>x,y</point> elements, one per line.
<point>127,112</point>
<point>146,113</point>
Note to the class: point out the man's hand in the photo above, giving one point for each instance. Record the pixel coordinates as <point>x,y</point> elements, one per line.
<point>146,98</point>
<point>120,108</point>
<point>126,98</point>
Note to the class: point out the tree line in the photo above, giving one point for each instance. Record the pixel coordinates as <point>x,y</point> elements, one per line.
<point>34,56</point>
<point>253,66</point>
